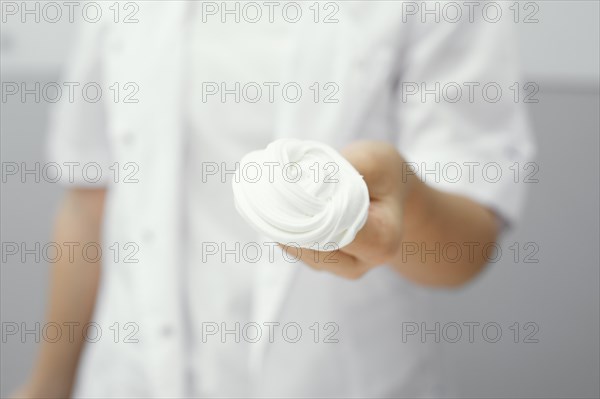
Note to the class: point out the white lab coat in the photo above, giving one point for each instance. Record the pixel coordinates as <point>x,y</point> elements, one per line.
<point>368,54</point>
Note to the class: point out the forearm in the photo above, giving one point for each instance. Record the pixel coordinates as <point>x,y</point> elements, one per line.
<point>410,226</point>
<point>444,237</point>
<point>73,286</point>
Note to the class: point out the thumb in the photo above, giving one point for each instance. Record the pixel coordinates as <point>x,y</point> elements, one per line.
<point>379,163</point>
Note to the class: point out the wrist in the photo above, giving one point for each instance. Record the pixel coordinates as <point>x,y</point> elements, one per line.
<point>47,387</point>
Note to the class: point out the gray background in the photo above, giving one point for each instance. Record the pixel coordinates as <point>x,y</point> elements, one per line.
<point>560,293</point>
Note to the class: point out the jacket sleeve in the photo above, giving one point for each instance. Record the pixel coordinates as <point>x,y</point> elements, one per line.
<point>461,118</point>
<point>77,139</point>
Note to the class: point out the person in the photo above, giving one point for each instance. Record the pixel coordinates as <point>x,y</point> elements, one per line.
<point>189,300</point>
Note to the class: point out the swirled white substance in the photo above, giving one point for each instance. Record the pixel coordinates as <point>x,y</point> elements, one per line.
<point>301,193</point>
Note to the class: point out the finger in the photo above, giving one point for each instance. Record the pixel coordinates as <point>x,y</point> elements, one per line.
<point>378,240</point>
<point>337,262</point>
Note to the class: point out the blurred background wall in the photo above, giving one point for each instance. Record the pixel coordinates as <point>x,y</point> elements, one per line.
<point>559,293</point>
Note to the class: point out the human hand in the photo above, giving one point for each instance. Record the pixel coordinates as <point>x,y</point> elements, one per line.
<point>379,240</point>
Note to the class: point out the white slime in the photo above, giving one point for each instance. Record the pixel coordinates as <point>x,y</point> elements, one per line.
<point>301,193</point>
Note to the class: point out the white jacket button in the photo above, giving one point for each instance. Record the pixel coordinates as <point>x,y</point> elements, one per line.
<point>167,331</point>
<point>128,138</point>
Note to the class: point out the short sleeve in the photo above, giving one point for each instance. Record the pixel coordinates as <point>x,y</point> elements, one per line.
<point>76,138</point>
<point>462,122</point>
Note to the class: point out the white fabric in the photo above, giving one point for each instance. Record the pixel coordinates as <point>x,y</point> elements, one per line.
<point>172,292</point>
